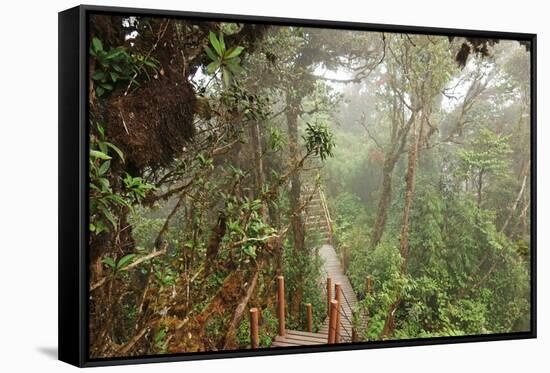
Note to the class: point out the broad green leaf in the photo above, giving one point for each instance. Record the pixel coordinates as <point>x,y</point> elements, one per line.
<point>104,183</point>
<point>125,260</point>
<point>233,52</point>
<point>222,43</point>
<point>226,76</point>
<point>98,75</point>
<point>107,86</point>
<point>212,67</point>
<point>215,43</point>
<point>211,54</point>
<point>104,168</point>
<point>103,147</point>
<point>235,68</point>
<point>233,61</point>
<point>97,44</point>
<point>99,91</point>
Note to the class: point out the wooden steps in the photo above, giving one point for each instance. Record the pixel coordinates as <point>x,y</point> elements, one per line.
<point>333,269</point>
<point>299,338</point>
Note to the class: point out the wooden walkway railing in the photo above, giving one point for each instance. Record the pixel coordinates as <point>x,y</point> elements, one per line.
<point>338,326</point>
<point>341,300</point>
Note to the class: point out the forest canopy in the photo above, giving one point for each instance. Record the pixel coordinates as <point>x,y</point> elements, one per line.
<point>225,155</point>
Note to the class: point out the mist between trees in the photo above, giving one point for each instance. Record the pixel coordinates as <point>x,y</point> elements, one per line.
<point>210,144</point>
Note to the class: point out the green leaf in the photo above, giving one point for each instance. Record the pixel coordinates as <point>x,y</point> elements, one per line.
<point>150,63</point>
<point>104,168</point>
<point>98,154</point>
<point>117,150</point>
<point>100,129</point>
<point>104,183</point>
<point>212,67</point>
<point>114,53</point>
<point>226,76</point>
<point>222,43</point>
<point>114,76</point>
<point>125,260</point>
<point>97,44</point>
<point>109,215</point>
<point>233,61</point>
<point>103,147</point>
<point>215,43</point>
<point>109,262</point>
<point>250,251</point>
<point>233,52</point>
<point>107,86</point>
<point>98,75</point>
<point>118,199</point>
<point>99,91</point>
<point>211,54</point>
<point>235,68</point>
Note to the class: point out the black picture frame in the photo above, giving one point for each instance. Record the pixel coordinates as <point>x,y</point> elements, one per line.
<point>73,184</point>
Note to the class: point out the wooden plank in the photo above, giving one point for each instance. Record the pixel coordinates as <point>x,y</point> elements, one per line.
<point>301,339</point>
<point>298,342</point>
<point>299,332</point>
<point>283,344</point>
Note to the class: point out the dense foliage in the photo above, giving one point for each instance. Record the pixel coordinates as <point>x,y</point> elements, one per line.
<point>209,143</point>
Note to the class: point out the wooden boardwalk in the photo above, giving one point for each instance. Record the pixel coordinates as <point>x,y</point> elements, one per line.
<point>333,269</point>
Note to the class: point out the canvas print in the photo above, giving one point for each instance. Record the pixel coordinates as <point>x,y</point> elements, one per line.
<point>266,186</point>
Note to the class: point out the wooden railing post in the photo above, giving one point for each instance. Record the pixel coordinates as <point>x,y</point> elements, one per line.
<point>329,294</point>
<point>281,309</point>
<point>254,327</point>
<point>338,298</point>
<point>309,313</point>
<point>332,326</point>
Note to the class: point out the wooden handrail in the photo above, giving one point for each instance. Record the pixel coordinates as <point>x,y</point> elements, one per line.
<point>326,213</point>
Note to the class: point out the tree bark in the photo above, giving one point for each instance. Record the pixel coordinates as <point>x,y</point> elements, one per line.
<point>296,221</point>
<point>389,324</point>
<point>411,173</point>
<point>392,156</point>
<point>238,314</point>
<point>383,204</point>
<point>259,176</point>
<point>518,198</point>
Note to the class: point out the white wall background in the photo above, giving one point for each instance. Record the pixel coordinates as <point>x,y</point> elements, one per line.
<point>28,184</point>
